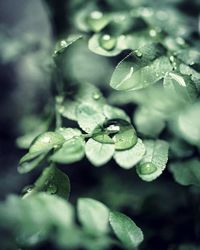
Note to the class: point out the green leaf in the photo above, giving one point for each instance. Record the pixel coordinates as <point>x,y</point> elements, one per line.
<point>89,117</point>
<point>111,113</point>
<point>93,215</point>
<point>98,153</point>
<point>71,151</point>
<point>64,43</point>
<point>129,158</point>
<point>46,142</point>
<point>69,133</point>
<point>35,218</point>
<point>81,94</point>
<point>52,181</point>
<point>126,230</point>
<point>141,68</point>
<point>148,122</point>
<point>30,161</point>
<point>154,160</point>
<point>181,85</point>
<point>187,172</point>
<point>188,123</point>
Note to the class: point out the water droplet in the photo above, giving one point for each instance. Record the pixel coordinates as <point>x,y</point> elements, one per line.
<point>107,42</point>
<point>96,20</point>
<point>138,53</point>
<point>171,58</point>
<point>96,15</point>
<point>147,168</point>
<point>96,96</point>
<point>152,33</point>
<point>27,189</point>
<point>63,44</point>
<point>52,189</point>
<point>113,128</point>
<point>59,99</point>
<point>122,133</point>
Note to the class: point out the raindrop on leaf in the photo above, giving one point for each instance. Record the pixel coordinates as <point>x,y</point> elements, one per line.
<point>52,189</point>
<point>107,42</point>
<point>147,168</point>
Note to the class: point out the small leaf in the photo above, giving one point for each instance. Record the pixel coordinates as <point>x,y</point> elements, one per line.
<point>71,151</point>
<point>154,160</point>
<point>181,86</point>
<point>89,118</point>
<point>141,69</point>
<point>64,43</point>
<point>148,122</point>
<point>129,158</point>
<point>187,172</point>
<point>30,161</point>
<point>189,124</point>
<point>126,230</point>
<point>52,181</point>
<point>93,215</point>
<point>111,113</point>
<point>69,133</point>
<point>98,153</point>
<point>46,142</point>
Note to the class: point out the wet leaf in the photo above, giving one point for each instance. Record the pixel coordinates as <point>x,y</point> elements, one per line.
<point>46,142</point>
<point>129,158</point>
<point>52,181</point>
<point>141,68</point>
<point>126,230</point>
<point>98,153</point>
<point>93,215</point>
<point>154,160</point>
<point>71,151</point>
<point>187,172</point>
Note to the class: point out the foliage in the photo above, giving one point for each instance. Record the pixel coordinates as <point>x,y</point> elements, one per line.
<point>146,120</point>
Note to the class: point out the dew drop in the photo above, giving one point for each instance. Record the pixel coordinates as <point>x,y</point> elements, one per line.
<point>113,128</point>
<point>138,53</point>
<point>63,44</point>
<point>107,42</point>
<point>27,189</point>
<point>147,168</point>
<point>52,189</point>
<point>152,33</point>
<point>96,96</point>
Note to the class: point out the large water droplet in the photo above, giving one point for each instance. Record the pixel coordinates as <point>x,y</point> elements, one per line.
<point>122,133</point>
<point>52,189</point>
<point>107,42</point>
<point>147,168</point>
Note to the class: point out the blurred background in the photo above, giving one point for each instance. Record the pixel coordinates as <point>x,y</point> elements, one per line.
<point>28,33</point>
